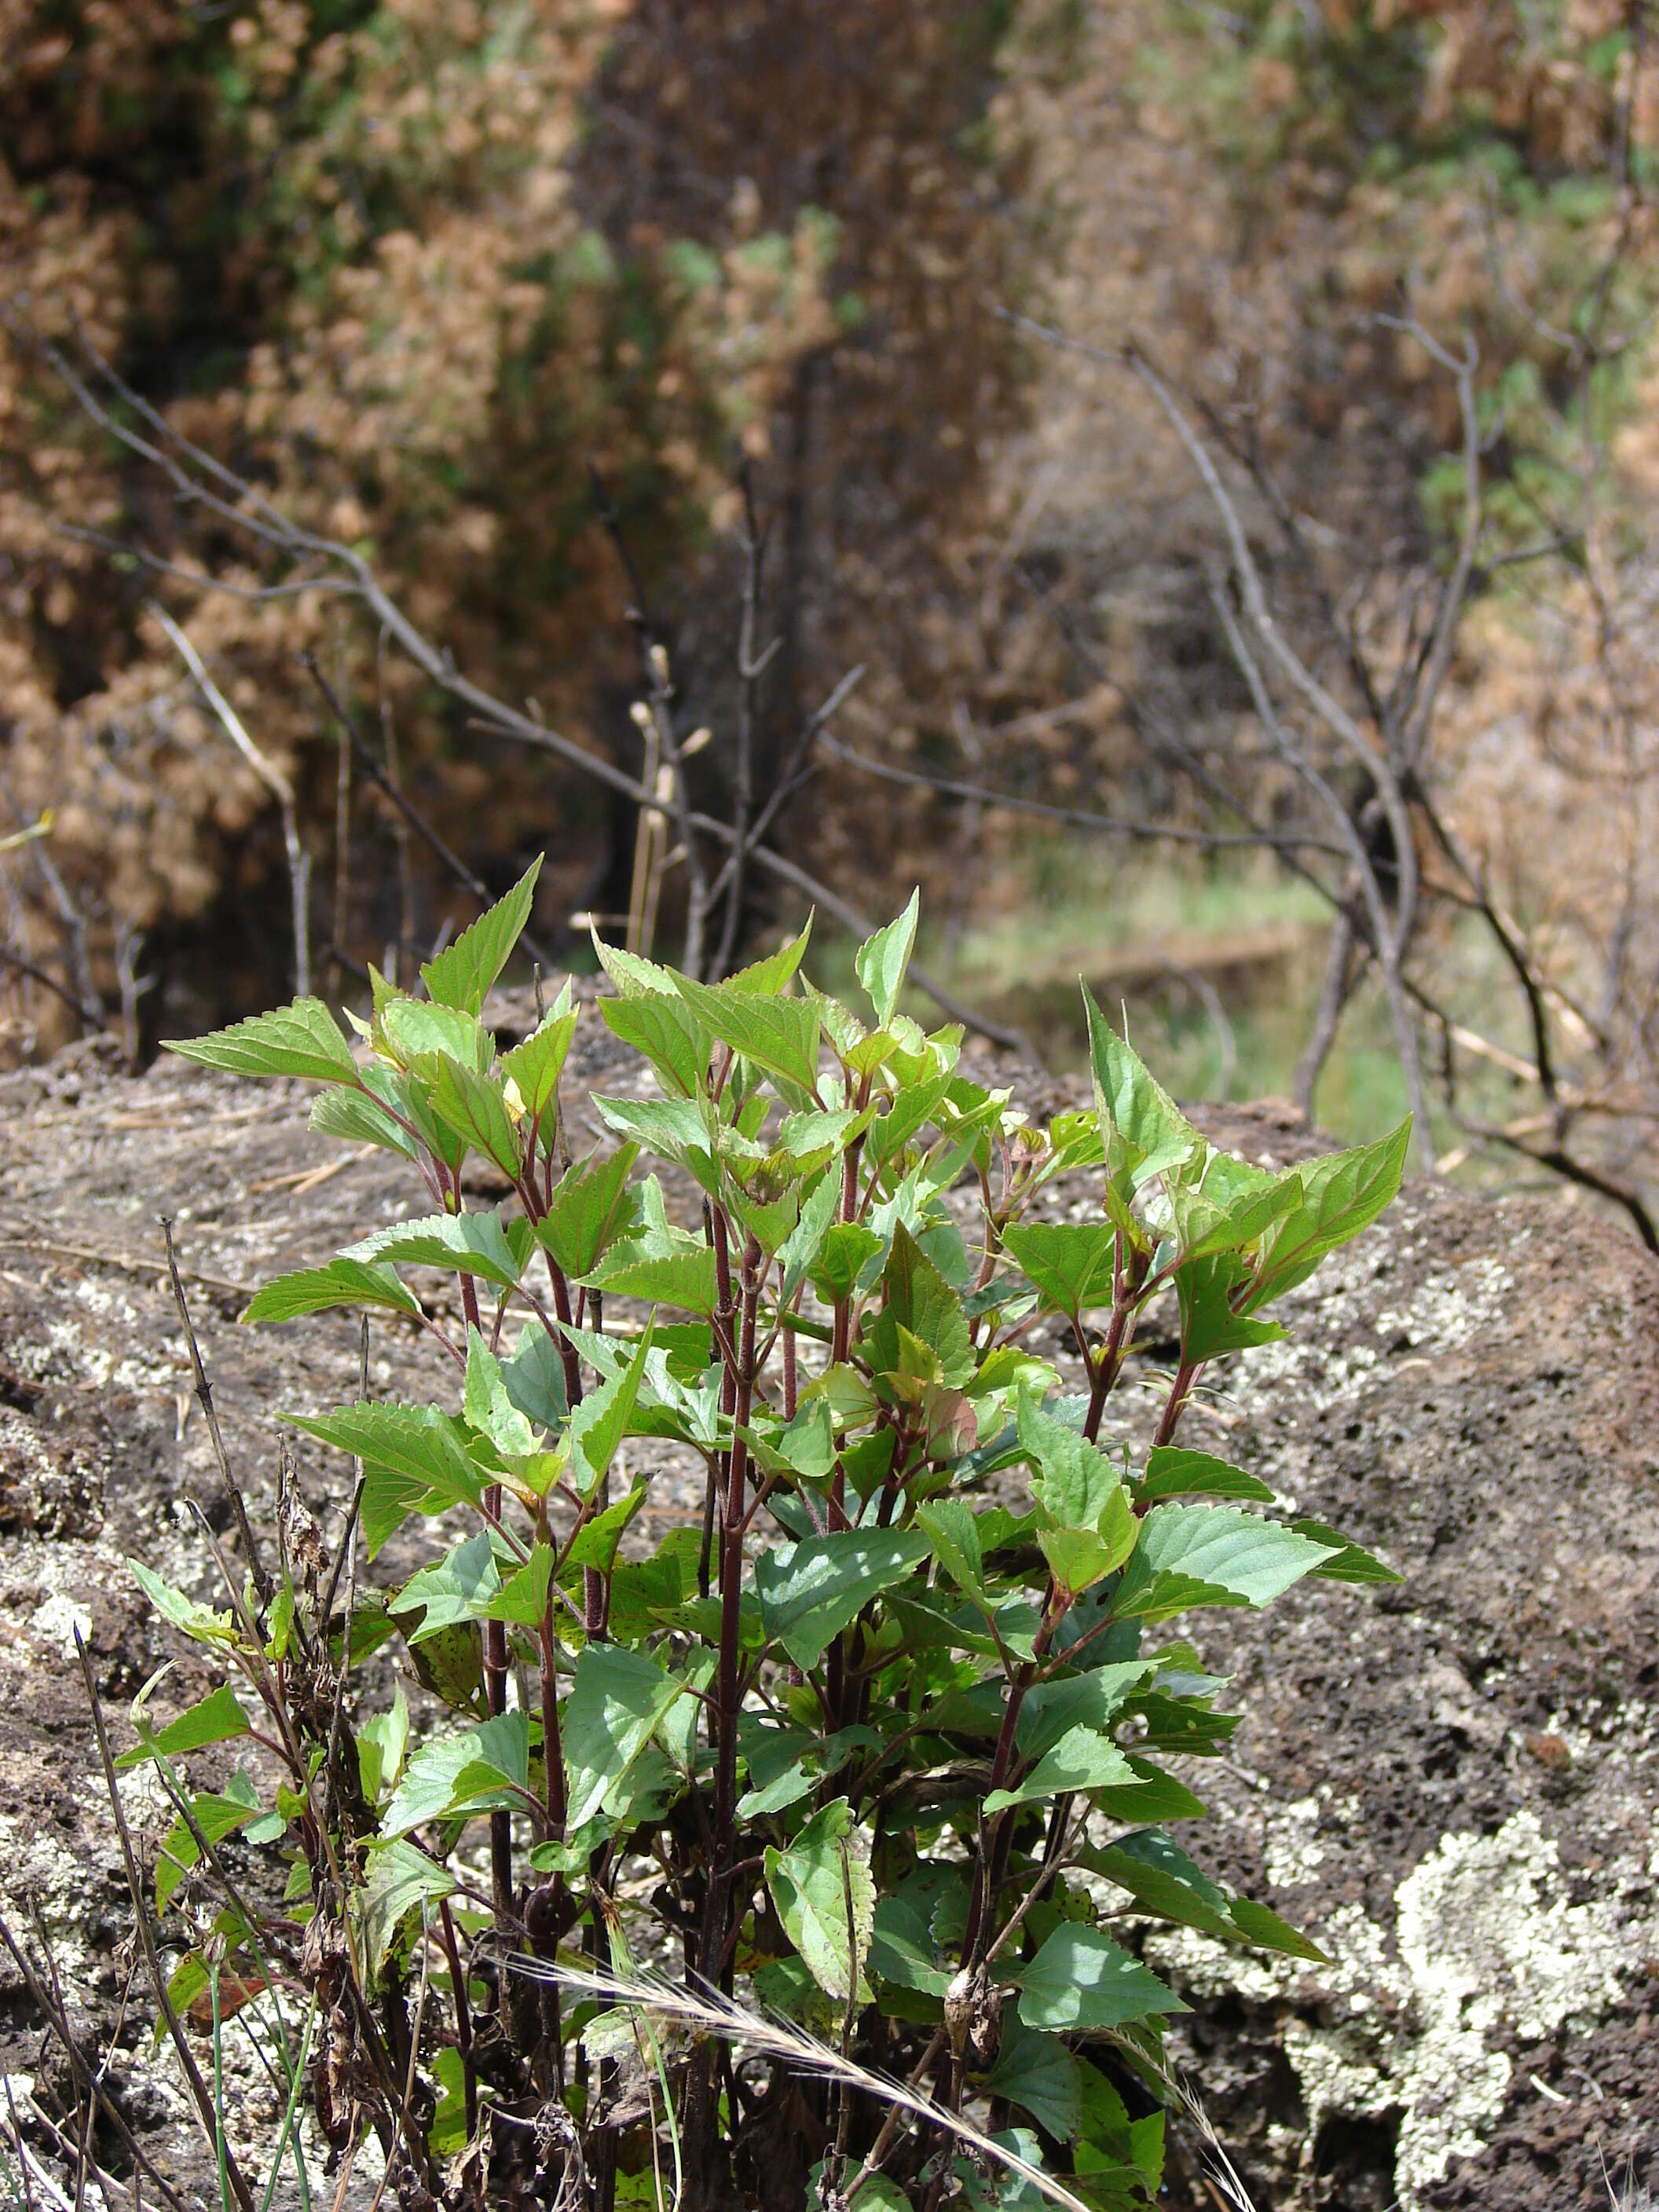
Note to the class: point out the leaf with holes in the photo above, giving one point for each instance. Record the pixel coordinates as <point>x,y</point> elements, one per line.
<point>812,1881</point>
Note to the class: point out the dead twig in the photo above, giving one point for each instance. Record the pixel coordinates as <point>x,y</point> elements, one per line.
<point>298,861</point>
<point>262,1582</point>
<point>201,2095</point>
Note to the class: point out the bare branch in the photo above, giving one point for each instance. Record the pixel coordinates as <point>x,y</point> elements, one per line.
<point>1121,826</point>
<point>298,861</point>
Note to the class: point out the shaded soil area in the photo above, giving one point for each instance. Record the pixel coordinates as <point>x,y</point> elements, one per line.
<point>1452,1786</point>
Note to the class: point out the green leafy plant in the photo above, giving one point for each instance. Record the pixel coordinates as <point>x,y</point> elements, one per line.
<point>797,1843</point>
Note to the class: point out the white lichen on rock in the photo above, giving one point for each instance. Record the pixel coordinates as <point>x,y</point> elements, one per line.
<point>1487,1946</point>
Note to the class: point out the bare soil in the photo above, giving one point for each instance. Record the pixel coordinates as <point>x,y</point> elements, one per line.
<point>1451,1786</point>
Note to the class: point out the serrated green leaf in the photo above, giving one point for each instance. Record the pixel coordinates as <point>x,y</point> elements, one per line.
<point>1081,1979</point>
<point>809,1592</point>
<point>775,971</point>
<point>1211,1327</point>
<point>805,1445</point>
<point>616,1702</point>
<point>1070,1264</point>
<point>779,1035</point>
<point>1051,1709</point>
<point>919,1300</point>
<point>472,1106</point>
<point>910,1110</point>
<point>951,1529</point>
<point>1172,1472</point>
<point>217,1816</point>
<point>200,1622</point>
<point>1079,1558</point>
<point>485,1404</point>
<point>590,1208</point>
<point>666,1030</point>
<point>214,1719</point>
<point>342,1282</point>
<point>382,1746</point>
<point>397,1880</point>
<point>631,973</point>
<point>1164,1881</point>
<point>848,1248</point>
<point>1231,1205</point>
<point>463,973</point>
<point>460,1587</point>
<point>1083,1760</point>
<point>594,1544</point>
<point>901,1948</point>
<point>469,1243</point>
<point>523,1597</point>
<point>1177,1722</point>
<point>358,1119</point>
<point>1261,1927</point>
<point>411,1030</point>
<point>883,959</point>
<point>810,1881</point>
<point>531,1070</point>
<point>1153,1795</point>
<point>1160,1876</point>
<point>534,1378</point>
<point>1038,2072</point>
<point>1191,1555</point>
<point>1145,1132</point>
<point>483,1769</point>
<point>1075,1480</point>
<point>303,1040</point>
<point>598,1425</point>
<point>1351,1564</point>
<point>1121,2159</point>
<point>1002,2189</point>
<point>414,1461</point>
<point>684,1280</point>
<point>799,1250</point>
<point>1341,1195</point>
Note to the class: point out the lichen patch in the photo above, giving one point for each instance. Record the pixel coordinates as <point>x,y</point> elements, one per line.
<point>1487,1950</point>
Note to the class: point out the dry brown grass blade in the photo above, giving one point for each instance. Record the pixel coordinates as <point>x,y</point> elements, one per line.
<point>707,2012</point>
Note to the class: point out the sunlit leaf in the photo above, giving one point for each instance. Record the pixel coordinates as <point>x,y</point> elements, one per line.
<point>302,1040</point>
<point>342,1282</point>
<point>1081,1979</point>
<point>463,973</point>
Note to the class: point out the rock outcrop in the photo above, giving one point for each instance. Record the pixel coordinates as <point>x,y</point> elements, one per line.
<point>1452,1784</point>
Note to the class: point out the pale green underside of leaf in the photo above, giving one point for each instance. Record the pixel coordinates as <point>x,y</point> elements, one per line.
<point>342,1282</point>
<point>303,1040</point>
